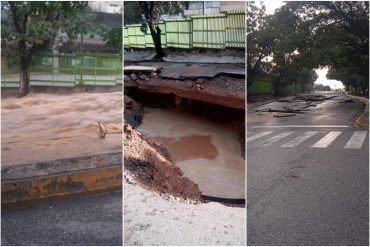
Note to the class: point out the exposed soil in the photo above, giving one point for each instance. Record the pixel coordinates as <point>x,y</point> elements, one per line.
<point>207,144</point>
<point>222,90</point>
<point>149,164</point>
<point>197,126</point>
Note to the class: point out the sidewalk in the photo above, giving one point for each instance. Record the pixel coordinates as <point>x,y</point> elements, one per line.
<point>62,177</point>
<point>362,120</point>
<point>154,220</point>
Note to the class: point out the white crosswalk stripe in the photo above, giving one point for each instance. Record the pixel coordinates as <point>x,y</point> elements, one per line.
<point>275,138</point>
<point>327,140</point>
<point>300,139</point>
<point>356,140</point>
<point>259,135</point>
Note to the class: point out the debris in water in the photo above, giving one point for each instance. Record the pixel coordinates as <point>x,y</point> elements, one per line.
<point>102,130</point>
<point>48,126</point>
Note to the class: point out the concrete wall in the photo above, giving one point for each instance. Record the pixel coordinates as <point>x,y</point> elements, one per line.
<point>232,5</point>
<point>213,7</point>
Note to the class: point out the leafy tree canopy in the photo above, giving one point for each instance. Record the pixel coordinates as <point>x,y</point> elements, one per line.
<point>34,25</point>
<point>307,35</point>
<point>149,13</point>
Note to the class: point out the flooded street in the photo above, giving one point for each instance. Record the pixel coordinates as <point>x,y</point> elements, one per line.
<point>206,150</point>
<point>43,126</point>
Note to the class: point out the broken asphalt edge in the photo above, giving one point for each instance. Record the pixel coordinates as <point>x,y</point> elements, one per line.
<point>358,122</point>
<point>62,177</point>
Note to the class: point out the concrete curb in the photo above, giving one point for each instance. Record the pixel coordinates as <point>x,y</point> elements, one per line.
<point>62,177</point>
<point>358,122</point>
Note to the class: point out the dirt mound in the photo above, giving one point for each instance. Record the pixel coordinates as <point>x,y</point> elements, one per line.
<point>149,164</point>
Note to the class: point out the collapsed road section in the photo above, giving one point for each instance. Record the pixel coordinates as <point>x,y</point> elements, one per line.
<point>304,108</point>
<point>221,84</point>
<point>191,120</point>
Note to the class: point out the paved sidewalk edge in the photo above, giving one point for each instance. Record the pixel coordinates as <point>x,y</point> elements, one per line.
<point>358,122</point>
<point>106,174</point>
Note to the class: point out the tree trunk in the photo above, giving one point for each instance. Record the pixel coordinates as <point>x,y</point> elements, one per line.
<point>156,35</point>
<point>252,71</point>
<point>275,89</point>
<point>250,75</point>
<point>24,83</point>
<point>250,80</point>
<point>81,42</point>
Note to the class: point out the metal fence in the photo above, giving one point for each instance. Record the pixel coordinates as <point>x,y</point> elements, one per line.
<point>67,70</point>
<point>209,31</point>
<point>216,31</point>
<point>235,30</point>
<point>179,33</point>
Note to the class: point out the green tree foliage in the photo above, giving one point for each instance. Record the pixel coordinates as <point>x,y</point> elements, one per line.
<point>260,39</point>
<point>313,34</point>
<point>292,62</point>
<point>113,38</point>
<point>132,13</point>
<point>340,36</point>
<point>151,12</point>
<point>320,87</point>
<point>81,24</point>
<point>32,25</point>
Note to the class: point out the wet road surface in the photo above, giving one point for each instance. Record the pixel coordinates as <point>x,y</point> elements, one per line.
<point>307,178</point>
<point>78,220</point>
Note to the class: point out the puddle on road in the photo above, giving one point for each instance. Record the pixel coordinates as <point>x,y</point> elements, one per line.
<point>206,150</point>
<point>45,126</point>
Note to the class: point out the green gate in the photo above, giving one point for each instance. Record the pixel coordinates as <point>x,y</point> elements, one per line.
<point>67,70</point>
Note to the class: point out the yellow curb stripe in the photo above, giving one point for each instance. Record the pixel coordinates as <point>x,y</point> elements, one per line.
<point>63,184</point>
<point>358,121</point>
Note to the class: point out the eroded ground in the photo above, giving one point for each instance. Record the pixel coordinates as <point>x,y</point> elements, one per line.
<point>194,112</point>
<point>206,150</point>
<point>191,136</point>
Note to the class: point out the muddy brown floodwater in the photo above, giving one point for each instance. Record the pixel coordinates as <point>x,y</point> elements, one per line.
<point>207,151</point>
<point>43,126</point>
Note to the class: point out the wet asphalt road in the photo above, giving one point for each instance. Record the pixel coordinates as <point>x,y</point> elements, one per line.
<point>78,220</point>
<point>304,195</point>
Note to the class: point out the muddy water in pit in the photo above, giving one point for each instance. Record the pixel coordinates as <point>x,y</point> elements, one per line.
<point>43,126</point>
<point>207,151</point>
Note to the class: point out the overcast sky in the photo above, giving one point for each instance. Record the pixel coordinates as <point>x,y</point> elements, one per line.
<point>334,84</point>
<point>271,6</point>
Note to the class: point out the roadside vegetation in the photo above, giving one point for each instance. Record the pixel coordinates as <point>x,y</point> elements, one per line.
<point>303,36</point>
<point>34,26</point>
<point>149,14</point>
